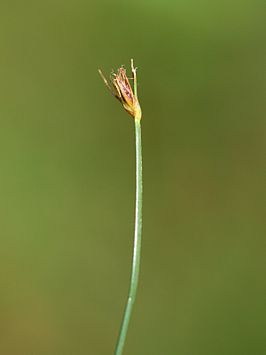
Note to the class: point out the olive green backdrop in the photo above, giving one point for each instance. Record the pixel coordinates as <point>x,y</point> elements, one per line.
<point>67,177</point>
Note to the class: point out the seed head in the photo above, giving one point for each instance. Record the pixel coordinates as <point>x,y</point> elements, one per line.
<point>120,87</point>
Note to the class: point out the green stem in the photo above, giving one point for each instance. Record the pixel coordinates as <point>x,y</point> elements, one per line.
<point>137,244</point>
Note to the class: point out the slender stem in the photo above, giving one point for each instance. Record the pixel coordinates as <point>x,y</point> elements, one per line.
<point>137,244</point>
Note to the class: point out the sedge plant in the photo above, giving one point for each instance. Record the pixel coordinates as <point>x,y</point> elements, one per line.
<point>121,89</point>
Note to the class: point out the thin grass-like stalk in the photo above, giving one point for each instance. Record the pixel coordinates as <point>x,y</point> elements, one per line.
<point>137,244</point>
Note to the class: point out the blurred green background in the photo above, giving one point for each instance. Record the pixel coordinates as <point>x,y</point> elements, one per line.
<point>67,177</point>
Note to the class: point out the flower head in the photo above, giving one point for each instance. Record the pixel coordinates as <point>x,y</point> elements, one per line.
<point>122,90</point>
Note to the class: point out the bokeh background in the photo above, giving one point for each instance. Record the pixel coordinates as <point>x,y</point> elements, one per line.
<point>67,177</point>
